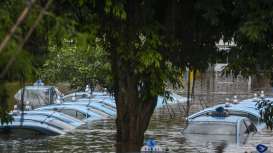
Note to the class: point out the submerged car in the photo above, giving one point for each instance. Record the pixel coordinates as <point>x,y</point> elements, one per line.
<point>219,126</point>
<point>38,95</point>
<point>108,102</point>
<point>239,109</point>
<point>96,106</point>
<point>80,112</point>
<point>39,122</point>
<point>56,115</point>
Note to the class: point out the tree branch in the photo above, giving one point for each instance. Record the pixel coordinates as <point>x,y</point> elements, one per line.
<point>20,19</point>
<point>12,59</point>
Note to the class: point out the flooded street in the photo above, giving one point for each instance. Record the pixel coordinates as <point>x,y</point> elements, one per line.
<point>100,137</point>
<point>165,127</point>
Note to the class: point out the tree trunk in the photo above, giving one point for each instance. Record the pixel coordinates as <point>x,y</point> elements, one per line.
<point>133,112</point>
<point>133,116</point>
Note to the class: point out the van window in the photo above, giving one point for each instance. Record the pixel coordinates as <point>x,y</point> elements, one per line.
<point>73,113</point>
<point>214,128</point>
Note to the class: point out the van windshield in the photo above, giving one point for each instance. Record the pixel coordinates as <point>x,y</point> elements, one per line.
<point>211,128</point>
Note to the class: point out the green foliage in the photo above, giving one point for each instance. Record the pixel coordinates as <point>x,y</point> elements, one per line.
<point>153,70</point>
<point>254,30</point>
<point>5,117</point>
<point>192,43</point>
<point>149,59</point>
<point>77,61</point>
<point>22,67</point>
<point>116,8</point>
<point>4,109</point>
<point>252,35</point>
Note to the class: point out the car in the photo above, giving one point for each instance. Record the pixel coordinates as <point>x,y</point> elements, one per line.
<point>108,102</point>
<point>80,112</point>
<point>39,122</point>
<point>38,95</point>
<point>96,105</point>
<point>219,126</point>
<point>56,115</point>
<point>238,109</point>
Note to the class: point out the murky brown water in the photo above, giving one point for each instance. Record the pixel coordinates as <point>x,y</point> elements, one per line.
<point>100,137</point>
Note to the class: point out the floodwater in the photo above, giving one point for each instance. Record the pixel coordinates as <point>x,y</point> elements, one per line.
<point>100,137</point>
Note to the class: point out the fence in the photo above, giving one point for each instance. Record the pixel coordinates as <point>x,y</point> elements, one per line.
<point>212,87</point>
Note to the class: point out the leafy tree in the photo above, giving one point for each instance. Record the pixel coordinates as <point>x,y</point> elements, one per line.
<point>174,39</point>
<point>27,57</point>
<point>265,107</point>
<point>253,52</point>
<point>77,61</point>
<point>146,43</point>
<point>131,42</point>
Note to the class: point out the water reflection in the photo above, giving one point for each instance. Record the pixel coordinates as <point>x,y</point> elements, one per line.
<point>100,137</point>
